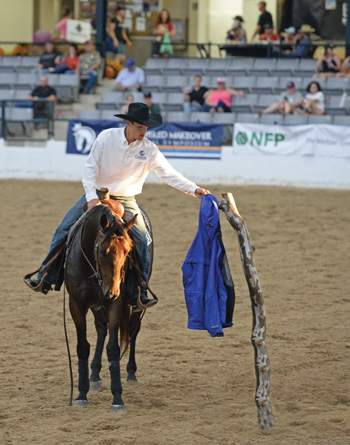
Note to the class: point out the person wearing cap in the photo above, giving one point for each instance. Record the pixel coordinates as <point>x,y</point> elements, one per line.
<point>130,78</point>
<point>329,64</point>
<point>240,20</point>
<point>147,99</point>
<point>220,99</point>
<point>287,101</point>
<point>265,18</point>
<point>118,36</point>
<point>120,159</point>
<point>269,36</point>
<point>302,47</point>
<point>288,36</point>
<point>89,63</point>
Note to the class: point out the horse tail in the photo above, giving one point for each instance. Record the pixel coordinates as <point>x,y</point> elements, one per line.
<point>124,321</point>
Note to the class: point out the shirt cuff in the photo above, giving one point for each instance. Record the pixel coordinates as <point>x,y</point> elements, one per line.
<point>91,195</point>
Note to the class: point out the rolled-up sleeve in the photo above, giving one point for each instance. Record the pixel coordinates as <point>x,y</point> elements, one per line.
<point>91,170</point>
<point>169,175</point>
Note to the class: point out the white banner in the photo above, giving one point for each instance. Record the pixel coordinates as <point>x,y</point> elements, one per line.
<point>284,140</point>
<point>78,31</point>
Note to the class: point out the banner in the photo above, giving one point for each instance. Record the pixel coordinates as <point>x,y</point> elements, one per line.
<point>78,31</point>
<point>298,140</point>
<point>188,140</point>
<point>182,140</point>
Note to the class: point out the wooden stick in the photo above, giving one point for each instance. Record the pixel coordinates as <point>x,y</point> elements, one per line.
<point>262,363</point>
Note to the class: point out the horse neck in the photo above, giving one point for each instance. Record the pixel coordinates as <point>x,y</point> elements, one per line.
<point>92,228</point>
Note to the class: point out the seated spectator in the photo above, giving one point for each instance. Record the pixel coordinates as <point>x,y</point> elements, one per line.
<point>68,64</point>
<point>194,95</point>
<point>130,78</point>
<point>89,63</point>
<point>61,26</point>
<point>220,99</point>
<point>49,58</point>
<point>236,34</point>
<point>329,64</point>
<point>287,101</point>
<point>129,98</point>
<point>239,19</point>
<point>269,36</point>
<point>345,68</point>
<point>288,37</point>
<point>302,47</point>
<point>163,27</point>
<point>41,109</point>
<point>147,99</point>
<point>313,101</point>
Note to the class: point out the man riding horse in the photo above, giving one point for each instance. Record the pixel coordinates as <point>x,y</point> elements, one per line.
<point>120,160</point>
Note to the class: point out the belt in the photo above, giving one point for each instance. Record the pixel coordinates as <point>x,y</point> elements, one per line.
<point>118,198</point>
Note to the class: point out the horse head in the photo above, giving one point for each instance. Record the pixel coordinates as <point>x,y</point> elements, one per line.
<point>111,249</point>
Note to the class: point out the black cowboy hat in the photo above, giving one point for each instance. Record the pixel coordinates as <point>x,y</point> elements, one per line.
<point>139,113</point>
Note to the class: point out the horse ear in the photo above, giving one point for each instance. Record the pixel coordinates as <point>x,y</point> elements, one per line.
<point>127,226</point>
<point>104,222</point>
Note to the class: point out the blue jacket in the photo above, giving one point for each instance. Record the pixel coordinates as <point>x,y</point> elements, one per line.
<point>209,295</point>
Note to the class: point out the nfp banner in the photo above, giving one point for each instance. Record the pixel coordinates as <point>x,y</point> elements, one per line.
<point>188,140</point>
<point>299,140</point>
<point>82,134</point>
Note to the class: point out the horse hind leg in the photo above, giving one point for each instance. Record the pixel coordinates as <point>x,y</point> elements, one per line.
<point>83,351</point>
<point>96,364</point>
<point>131,368</point>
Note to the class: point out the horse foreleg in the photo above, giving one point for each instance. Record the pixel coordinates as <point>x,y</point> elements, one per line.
<point>96,365</point>
<point>113,354</point>
<point>83,351</point>
<point>131,368</point>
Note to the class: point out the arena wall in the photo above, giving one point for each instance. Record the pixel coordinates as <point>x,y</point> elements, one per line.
<point>51,162</point>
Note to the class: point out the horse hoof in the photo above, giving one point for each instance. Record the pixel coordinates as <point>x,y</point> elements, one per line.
<point>96,386</point>
<point>131,383</point>
<point>118,409</point>
<point>81,403</point>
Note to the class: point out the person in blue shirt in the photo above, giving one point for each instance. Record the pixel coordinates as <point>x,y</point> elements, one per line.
<point>130,78</point>
<point>301,49</point>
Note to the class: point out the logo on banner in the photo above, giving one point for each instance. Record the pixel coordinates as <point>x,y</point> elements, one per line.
<point>84,138</point>
<point>241,138</point>
<point>261,139</point>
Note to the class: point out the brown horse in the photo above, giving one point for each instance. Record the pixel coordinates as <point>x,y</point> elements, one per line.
<point>99,277</point>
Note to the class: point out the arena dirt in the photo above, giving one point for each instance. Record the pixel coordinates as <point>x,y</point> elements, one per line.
<point>193,389</point>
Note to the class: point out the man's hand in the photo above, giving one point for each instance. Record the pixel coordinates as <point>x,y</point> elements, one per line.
<point>201,192</point>
<point>94,202</point>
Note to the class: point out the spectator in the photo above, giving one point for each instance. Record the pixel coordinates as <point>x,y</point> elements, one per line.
<point>288,37</point>
<point>89,63</point>
<point>302,47</point>
<point>345,68</point>
<point>220,99</point>
<point>194,95</point>
<point>313,101</point>
<point>43,110</point>
<point>61,26</point>
<point>48,59</point>
<point>239,19</point>
<point>236,34</point>
<point>147,99</point>
<point>287,102</point>
<point>269,36</point>
<point>118,36</point>
<point>163,30</point>
<point>329,64</point>
<point>265,18</point>
<point>129,98</point>
<point>130,78</point>
<point>69,63</point>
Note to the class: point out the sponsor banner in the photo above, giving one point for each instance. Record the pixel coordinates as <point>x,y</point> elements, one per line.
<point>185,140</point>
<point>188,140</point>
<point>78,31</point>
<point>299,140</point>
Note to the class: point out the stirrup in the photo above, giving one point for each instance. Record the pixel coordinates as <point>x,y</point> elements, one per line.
<point>40,286</point>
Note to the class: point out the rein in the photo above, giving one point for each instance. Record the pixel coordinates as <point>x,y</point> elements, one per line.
<point>96,272</point>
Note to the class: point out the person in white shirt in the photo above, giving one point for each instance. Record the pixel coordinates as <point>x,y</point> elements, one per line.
<point>120,160</point>
<point>313,101</point>
<point>130,78</point>
<point>287,101</point>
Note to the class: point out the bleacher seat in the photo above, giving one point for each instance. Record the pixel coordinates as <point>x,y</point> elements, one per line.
<point>265,85</point>
<point>7,94</point>
<point>22,94</point>
<point>174,102</point>
<point>17,121</point>
<point>341,120</point>
<point>175,83</point>
<point>154,83</point>
<point>108,114</point>
<point>28,63</point>
<point>248,118</point>
<point>241,66</point>
<point>266,100</point>
<point>155,66</point>
<point>336,106</point>
<point>262,67</point>
<point>7,80</point>
<point>244,104</point>
<point>89,114</point>
<point>218,67</point>
<point>337,85</point>
<point>9,64</point>
<point>292,119</point>
<point>201,117</point>
<point>178,116</point>
<point>26,80</point>
<point>175,66</point>
<point>67,87</point>
<point>315,119</point>
<point>242,83</point>
<point>196,66</point>
<point>159,98</point>
<point>274,119</point>
<point>307,67</point>
<point>286,67</point>
<point>224,118</point>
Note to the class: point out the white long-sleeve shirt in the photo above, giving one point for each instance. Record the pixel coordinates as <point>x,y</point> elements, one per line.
<point>123,167</point>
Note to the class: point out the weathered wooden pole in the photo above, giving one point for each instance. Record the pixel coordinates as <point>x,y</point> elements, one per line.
<point>262,362</point>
